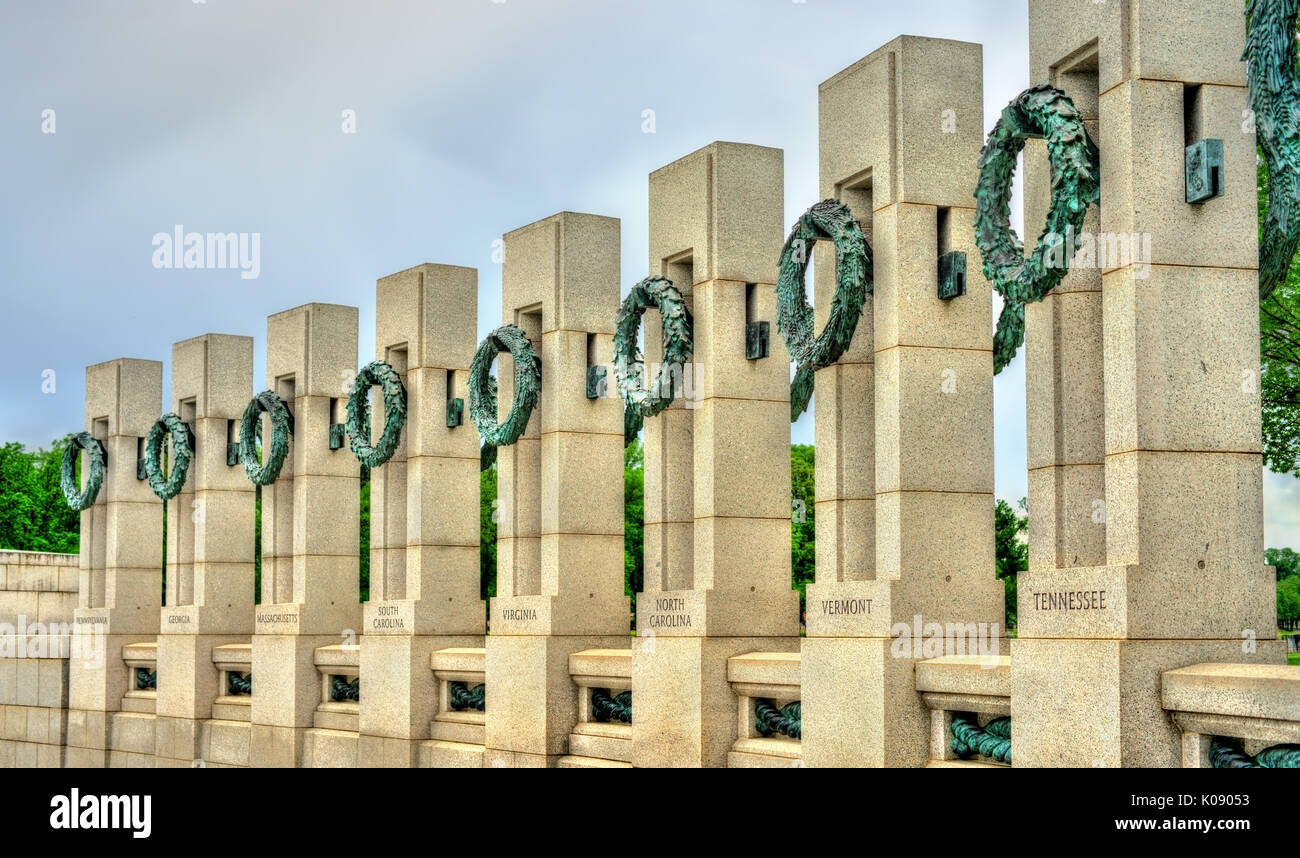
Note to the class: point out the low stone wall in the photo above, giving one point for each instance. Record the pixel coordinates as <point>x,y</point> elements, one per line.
<point>33,700</point>
<point>37,586</point>
<point>38,593</point>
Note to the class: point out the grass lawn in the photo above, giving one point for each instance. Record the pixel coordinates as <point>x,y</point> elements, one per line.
<point>1293,658</point>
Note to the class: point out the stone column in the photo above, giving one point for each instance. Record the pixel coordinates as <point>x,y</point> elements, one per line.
<point>1064,387</point>
<point>310,526</point>
<point>209,540</point>
<point>121,554</point>
<point>424,509</point>
<point>1183,580</point>
<point>900,133</point>
<point>560,554</point>
<point>669,438</point>
<point>716,225</point>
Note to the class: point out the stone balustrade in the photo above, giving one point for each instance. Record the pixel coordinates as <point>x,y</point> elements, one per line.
<point>234,663</point>
<point>142,670</point>
<point>758,679</point>
<point>339,666</point>
<point>957,685</point>
<point>601,739</point>
<point>457,668</point>
<point>1257,705</point>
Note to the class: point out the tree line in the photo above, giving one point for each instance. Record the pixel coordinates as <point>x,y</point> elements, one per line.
<point>34,517</point>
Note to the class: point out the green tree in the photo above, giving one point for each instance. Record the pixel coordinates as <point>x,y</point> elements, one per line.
<point>1288,601</point>
<point>1286,561</point>
<point>487,529</point>
<point>633,521</point>
<point>1279,345</point>
<point>1011,550</point>
<point>363,538</point>
<point>803,527</point>
<point>33,513</point>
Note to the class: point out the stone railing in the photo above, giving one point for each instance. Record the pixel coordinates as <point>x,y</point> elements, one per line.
<point>603,735</point>
<point>767,687</point>
<point>462,700</point>
<point>234,663</point>
<point>339,666</point>
<point>142,677</point>
<point>1230,713</point>
<point>966,694</point>
<point>456,732</point>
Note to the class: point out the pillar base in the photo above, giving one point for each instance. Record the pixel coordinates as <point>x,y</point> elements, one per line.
<point>860,705</point>
<point>286,692</point>
<point>684,709</point>
<point>400,695</point>
<point>532,702</point>
<point>1096,703</point>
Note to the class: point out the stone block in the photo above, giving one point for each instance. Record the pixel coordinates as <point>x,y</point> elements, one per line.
<point>227,742</point>
<point>742,459</point>
<point>274,747</point>
<point>846,540</point>
<point>914,155</point>
<point>583,486</point>
<point>934,420</point>
<point>1192,521</point>
<point>719,207</point>
<point>1144,134</point>
<point>564,404</point>
<point>52,679</point>
<point>429,308</point>
<point>442,502</point>
<point>534,701</point>
<point>131,732</point>
<point>1096,703</point>
<point>450,755</point>
<point>314,343</point>
<point>1065,396</point>
<point>1175,40</point>
<point>844,410</point>
<point>860,705</point>
<point>1067,518</point>
<point>1182,361</point>
<point>567,263</point>
<point>28,682</point>
<point>907,245</point>
<point>720,368</point>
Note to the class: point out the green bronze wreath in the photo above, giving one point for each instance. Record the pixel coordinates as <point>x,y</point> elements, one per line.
<point>1041,111</point>
<point>487,454</point>
<point>829,219</point>
<point>265,473</point>
<point>483,389</point>
<point>170,486</point>
<point>358,425</point>
<point>77,498</point>
<point>1275,98</point>
<point>629,363</point>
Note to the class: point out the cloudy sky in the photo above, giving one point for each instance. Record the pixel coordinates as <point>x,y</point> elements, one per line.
<point>472,117</point>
